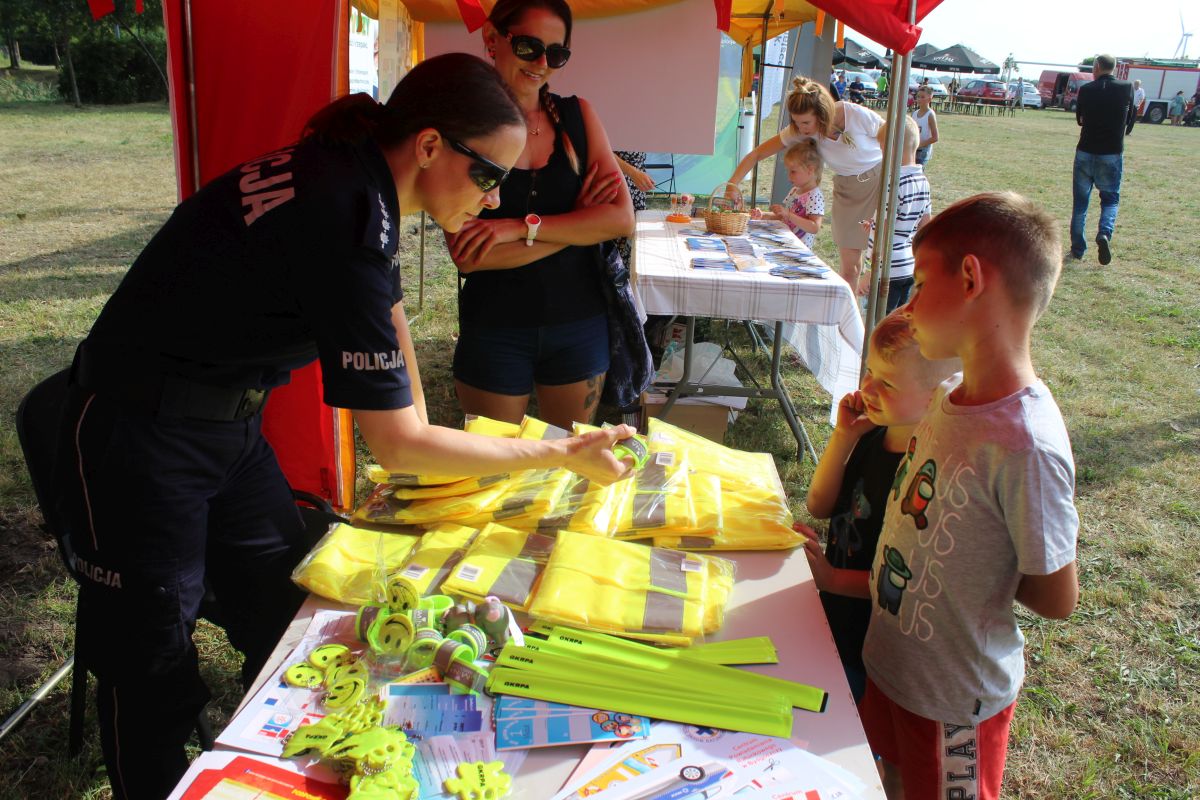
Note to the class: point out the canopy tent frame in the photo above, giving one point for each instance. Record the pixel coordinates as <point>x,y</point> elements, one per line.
<point>762,66</point>
<point>885,218</point>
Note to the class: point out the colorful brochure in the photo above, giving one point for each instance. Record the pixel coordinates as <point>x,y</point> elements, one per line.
<point>761,767</point>
<point>715,264</point>
<point>429,709</point>
<point>225,775</point>
<point>705,245</point>
<point>524,723</point>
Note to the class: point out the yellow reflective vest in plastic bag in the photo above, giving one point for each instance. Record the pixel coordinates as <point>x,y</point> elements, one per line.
<point>351,564</point>
<point>501,562</point>
<point>632,589</point>
<point>440,549</point>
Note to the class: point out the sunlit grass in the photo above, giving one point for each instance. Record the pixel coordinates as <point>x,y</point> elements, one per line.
<point>1109,706</point>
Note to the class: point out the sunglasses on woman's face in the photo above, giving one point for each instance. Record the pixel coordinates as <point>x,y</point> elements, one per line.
<point>530,48</point>
<point>486,173</point>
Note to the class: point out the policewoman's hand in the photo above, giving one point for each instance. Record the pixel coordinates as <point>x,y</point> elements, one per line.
<point>477,237</point>
<point>591,455</point>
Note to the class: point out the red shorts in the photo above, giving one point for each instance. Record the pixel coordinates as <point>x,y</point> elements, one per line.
<point>937,760</point>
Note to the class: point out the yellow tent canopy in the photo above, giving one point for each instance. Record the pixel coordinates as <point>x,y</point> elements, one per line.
<point>748,18</point>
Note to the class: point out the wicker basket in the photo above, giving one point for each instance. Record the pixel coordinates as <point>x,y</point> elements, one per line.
<point>725,215</point>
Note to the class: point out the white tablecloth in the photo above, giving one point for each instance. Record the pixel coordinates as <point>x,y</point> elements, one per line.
<point>822,319</point>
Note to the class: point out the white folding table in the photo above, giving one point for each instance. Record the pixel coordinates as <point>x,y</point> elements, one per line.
<point>818,316</point>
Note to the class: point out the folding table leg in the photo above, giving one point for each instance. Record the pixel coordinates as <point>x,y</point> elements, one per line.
<point>803,444</point>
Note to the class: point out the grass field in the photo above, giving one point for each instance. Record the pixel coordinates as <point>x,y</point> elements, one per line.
<point>1109,708</point>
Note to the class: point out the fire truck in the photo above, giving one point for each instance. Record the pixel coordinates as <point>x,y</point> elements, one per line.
<point>1161,80</point>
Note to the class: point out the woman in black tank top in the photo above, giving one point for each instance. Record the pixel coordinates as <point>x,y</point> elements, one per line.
<point>531,312</point>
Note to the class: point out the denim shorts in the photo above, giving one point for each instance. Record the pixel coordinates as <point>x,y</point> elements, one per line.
<point>512,361</point>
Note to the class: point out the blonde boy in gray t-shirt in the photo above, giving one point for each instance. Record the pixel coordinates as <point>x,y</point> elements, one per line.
<point>981,512</point>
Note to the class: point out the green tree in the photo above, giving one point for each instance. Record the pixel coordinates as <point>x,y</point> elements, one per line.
<point>13,22</point>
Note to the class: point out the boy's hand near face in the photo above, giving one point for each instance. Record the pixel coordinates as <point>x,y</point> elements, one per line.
<point>851,424</point>
<point>852,417</point>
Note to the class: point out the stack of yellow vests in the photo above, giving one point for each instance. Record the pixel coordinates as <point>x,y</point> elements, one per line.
<point>351,564</point>
<point>503,563</point>
<point>754,509</point>
<point>632,589</point>
<point>661,497</point>
<point>551,543</point>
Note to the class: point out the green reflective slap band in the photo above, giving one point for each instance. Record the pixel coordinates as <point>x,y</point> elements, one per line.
<point>751,650</point>
<point>662,682</point>
<point>601,646</point>
<point>633,447</point>
<point>540,628</point>
<point>771,718</point>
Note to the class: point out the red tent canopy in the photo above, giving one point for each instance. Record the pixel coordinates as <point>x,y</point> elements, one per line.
<point>885,21</point>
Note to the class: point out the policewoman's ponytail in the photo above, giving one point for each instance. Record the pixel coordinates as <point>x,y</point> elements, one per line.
<point>460,95</point>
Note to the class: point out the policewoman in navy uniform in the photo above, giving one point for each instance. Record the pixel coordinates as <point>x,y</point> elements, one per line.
<point>166,480</point>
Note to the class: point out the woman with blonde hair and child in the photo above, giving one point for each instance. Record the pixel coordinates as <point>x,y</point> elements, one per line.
<point>846,135</point>
<point>804,207</point>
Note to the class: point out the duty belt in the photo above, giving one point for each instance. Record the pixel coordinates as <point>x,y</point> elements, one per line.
<point>165,395</point>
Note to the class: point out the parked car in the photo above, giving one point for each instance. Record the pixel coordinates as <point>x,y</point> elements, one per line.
<point>986,91</point>
<point>938,89</point>
<point>935,86</point>
<point>1033,98</point>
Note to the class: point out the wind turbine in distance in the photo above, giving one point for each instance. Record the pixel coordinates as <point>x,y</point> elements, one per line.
<point>1184,35</point>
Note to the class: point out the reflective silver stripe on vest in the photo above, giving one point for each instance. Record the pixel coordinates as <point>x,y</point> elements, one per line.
<point>537,547</point>
<point>451,563</point>
<point>694,542</point>
<point>515,581</point>
<point>664,612</point>
<point>570,506</point>
<point>649,502</point>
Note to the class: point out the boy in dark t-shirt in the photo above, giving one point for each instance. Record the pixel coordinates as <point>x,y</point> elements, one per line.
<point>855,474</point>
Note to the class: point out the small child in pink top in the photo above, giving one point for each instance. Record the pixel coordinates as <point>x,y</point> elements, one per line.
<point>804,207</point>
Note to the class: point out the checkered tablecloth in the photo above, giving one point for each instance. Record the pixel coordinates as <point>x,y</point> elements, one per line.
<point>823,321</point>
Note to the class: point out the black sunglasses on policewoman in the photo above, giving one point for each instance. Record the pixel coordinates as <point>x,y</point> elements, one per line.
<point>530,48</point>
<point>486,173</point>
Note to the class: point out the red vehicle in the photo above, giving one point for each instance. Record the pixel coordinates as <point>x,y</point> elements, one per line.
<point>1161,79</point>
<point>1061,89</point>
<point>985,91</point>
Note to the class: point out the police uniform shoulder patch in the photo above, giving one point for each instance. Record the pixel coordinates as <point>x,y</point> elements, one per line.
<point>381,231</point>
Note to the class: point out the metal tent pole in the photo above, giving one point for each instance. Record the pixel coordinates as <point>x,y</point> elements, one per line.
<point>193,124</point>
<point>762,79</point>
<point>421,274</point>
<point>885,217</point>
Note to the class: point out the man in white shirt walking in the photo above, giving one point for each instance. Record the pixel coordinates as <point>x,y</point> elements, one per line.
<point>1139,100</point>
